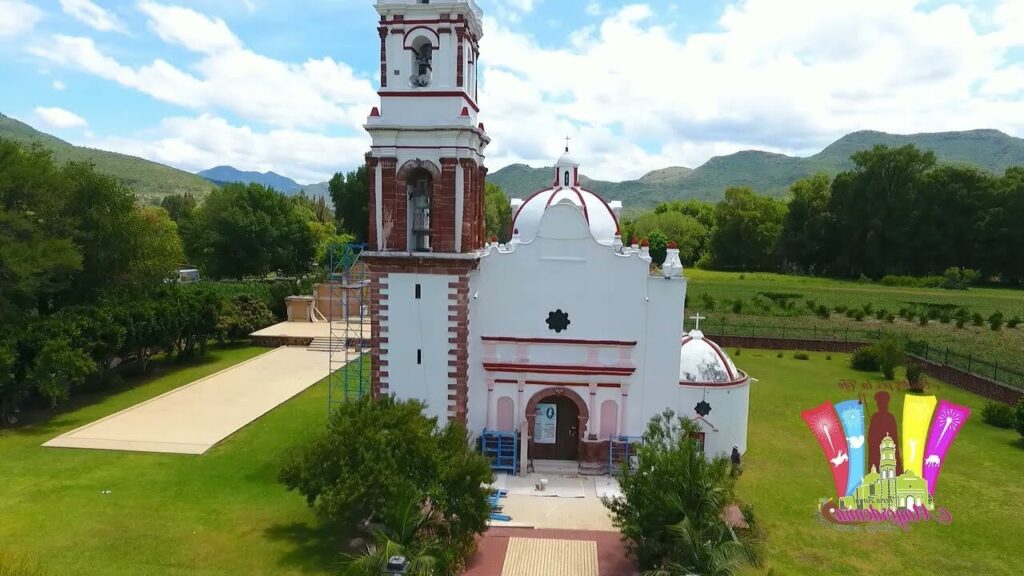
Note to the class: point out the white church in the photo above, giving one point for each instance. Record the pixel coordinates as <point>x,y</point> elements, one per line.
<point>563,335</point>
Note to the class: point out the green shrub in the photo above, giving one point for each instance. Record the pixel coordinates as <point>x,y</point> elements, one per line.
<point>1018,415</point>
<point>738,350</point>
<point>890,318</point>
<point>868,309</point>
<point>945,318</point>
<point>923,320</point>
<point>864,359</point>
<point>890,355</point>
<point>811,304</point>
<point>995,321</point>
<point>880,314</point>
<point>1014,322</point>
<point>859,316</point>
<point>779,355</point>
<point>999,415</point>
<point>840,308</point>
<point>959,278</point>
<point>914,372</point>
<point>801,356</point>
<point>977,319</point>
<point>828,356</point>
<point>737,306</point>
<point>959,322</point>
<point>707,300</point>
<point>343,476</point>
<point>822,311</point>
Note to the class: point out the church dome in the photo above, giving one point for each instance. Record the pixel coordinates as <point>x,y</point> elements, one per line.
<point>703,362</point>
<point>600,216</point>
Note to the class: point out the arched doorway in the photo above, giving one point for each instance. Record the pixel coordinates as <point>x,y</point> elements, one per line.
<point>557,420</point>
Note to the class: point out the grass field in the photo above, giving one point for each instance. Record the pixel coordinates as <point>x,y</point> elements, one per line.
<point>785,475</point>
<point>222,513</point>
<point>1005,346</point>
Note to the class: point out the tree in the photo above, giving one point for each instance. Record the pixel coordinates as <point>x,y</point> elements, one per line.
<point>159,250</point>
<point>672,504</point>
<point>243,315</point>
<point>250,230</point>
<point>180,207</point>
<point>351,196</point>
<point>686,231</point>
<point>497,213</point>
<point>804,239</point>
<point>872,207</point>
<point>658,244</point>
<point>747,227</point>
<point>375,451</point>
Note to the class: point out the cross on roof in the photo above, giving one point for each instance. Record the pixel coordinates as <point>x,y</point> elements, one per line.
<point>697,320</point>
<point>567,143</point>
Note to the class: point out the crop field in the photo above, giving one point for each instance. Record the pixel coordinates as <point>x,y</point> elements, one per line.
<point>780,305</point>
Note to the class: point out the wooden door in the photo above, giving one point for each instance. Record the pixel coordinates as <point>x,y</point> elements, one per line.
<point>566,430</point>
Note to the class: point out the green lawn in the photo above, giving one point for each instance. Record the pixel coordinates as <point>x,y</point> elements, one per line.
<point>1005,347</point>
<point>222,513</point>
<point>785,474</point>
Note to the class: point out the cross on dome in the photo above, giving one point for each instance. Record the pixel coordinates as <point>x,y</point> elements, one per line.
<point>697,320</point>
<point>567,139</point>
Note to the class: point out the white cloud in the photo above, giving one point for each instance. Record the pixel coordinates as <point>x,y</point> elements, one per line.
<point>58,85</point>
<point>593,8</point>
<point>92,15</point>
<point>17,17</point>
<point>779,75</point>
<point>228,77</point>
<point>59,118</point>
<point>199,143</point>
<point>188,28</point>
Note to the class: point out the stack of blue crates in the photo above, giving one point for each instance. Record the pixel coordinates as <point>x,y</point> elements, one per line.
<point>502,449</point>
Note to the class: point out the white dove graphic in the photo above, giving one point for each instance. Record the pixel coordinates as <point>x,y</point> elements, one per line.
<point>842,457</point>
<point>856,441</point>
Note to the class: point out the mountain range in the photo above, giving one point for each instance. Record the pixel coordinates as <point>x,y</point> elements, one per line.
<point>149,180</point>
<point>765,172</point>
<point>770,173</point>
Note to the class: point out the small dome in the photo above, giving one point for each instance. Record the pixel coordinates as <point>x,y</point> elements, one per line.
<point>599,215</point>
<point>701,361</point>
<point>567,160</point>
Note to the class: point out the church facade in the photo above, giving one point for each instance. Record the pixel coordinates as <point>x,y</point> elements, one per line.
<point>563,332</point>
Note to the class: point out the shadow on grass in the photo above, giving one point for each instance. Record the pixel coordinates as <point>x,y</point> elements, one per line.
<point>315,548</point>
<point>1017,443</point>
<point>44,420</point>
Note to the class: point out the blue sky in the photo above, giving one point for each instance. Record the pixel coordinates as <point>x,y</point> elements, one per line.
<point>285,86</point>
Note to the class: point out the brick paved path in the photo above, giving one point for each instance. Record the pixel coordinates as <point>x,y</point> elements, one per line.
<point>493,546</point>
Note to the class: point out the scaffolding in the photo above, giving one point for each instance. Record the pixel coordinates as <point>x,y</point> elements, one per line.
<point>349,372</point>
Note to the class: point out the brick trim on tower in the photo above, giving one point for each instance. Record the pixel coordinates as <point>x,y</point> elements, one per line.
<point>458,323</point>
<point>371,179</point>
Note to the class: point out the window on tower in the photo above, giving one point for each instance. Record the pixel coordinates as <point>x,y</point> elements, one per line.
<point>566,178</point>
<point>422,62</point>
<point>420,187</point>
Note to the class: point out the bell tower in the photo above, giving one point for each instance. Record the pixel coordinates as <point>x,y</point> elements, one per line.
<point>426,200</point>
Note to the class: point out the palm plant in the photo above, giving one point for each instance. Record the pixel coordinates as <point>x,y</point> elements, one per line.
<point>410,528</point>
<point>706,549</point>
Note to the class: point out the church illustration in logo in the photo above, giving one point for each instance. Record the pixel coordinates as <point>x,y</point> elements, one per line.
<point>890,475</point>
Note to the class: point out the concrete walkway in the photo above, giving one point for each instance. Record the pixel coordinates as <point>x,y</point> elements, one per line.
<point>195,417</point>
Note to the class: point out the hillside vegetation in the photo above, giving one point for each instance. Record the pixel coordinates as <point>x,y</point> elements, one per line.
<point>150,181</point>
<point>772,174</point>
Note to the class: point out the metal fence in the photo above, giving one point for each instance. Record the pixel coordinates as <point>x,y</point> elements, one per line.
<point>1000,373</point>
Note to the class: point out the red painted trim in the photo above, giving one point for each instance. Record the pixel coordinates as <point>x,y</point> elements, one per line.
<point>409,94</point>
<point>721,356</point>
<point>559,369</point>
<point>528,198</point>
<point>515,340</point>
<point>609,385</point>
<point>401,20</point>
<point>547,383</point>
<point>436,45</point>
<point>505,381</point>
<point>406,147</point>
<point>583,202</point>
<point>685,340</point>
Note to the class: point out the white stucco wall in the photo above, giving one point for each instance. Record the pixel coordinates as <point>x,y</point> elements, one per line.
<point>608,296</point>
<point>729,411</point>
<point>414,325</point>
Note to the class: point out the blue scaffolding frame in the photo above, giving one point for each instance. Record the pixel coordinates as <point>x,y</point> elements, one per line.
<point>348,375</point>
